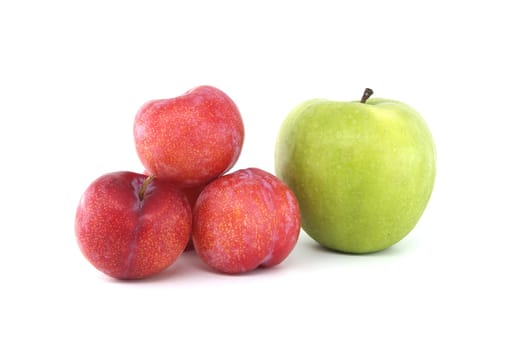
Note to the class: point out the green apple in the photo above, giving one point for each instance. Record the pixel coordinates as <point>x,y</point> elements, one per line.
<point>362,171</point>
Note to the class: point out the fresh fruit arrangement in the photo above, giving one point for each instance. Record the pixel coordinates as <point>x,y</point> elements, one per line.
<point>356,176</point>
<point>132,226</point>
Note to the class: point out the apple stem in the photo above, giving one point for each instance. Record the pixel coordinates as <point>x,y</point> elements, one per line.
<point>145,184</point>
<point>366,94</point>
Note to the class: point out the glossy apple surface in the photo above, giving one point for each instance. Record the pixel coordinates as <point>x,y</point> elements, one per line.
<point>245,220</point>
<point>190,139</point>
<point>131,226</point>
<point>362,171</point>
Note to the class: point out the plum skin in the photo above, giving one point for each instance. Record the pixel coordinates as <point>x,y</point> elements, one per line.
<point>245,220</point>
<point>128,237</point>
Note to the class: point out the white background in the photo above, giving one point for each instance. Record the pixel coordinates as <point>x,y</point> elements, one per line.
<point>73,75</point>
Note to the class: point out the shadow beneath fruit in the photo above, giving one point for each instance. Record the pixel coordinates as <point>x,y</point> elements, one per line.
<point>259,271</point>
<point>190,267</point>
<point>400,248</point>
<point>183,268</point>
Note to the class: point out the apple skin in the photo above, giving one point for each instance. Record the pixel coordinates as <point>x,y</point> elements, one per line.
<point>245,220</point>
<point>127,237</point>
<point>362,172</point>
<point>190,139</point>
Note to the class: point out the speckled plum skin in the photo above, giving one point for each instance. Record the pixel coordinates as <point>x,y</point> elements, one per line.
<point>192,193</point>
<point>129,238</point>
<point>245,220</point>
<point>190,139</point>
